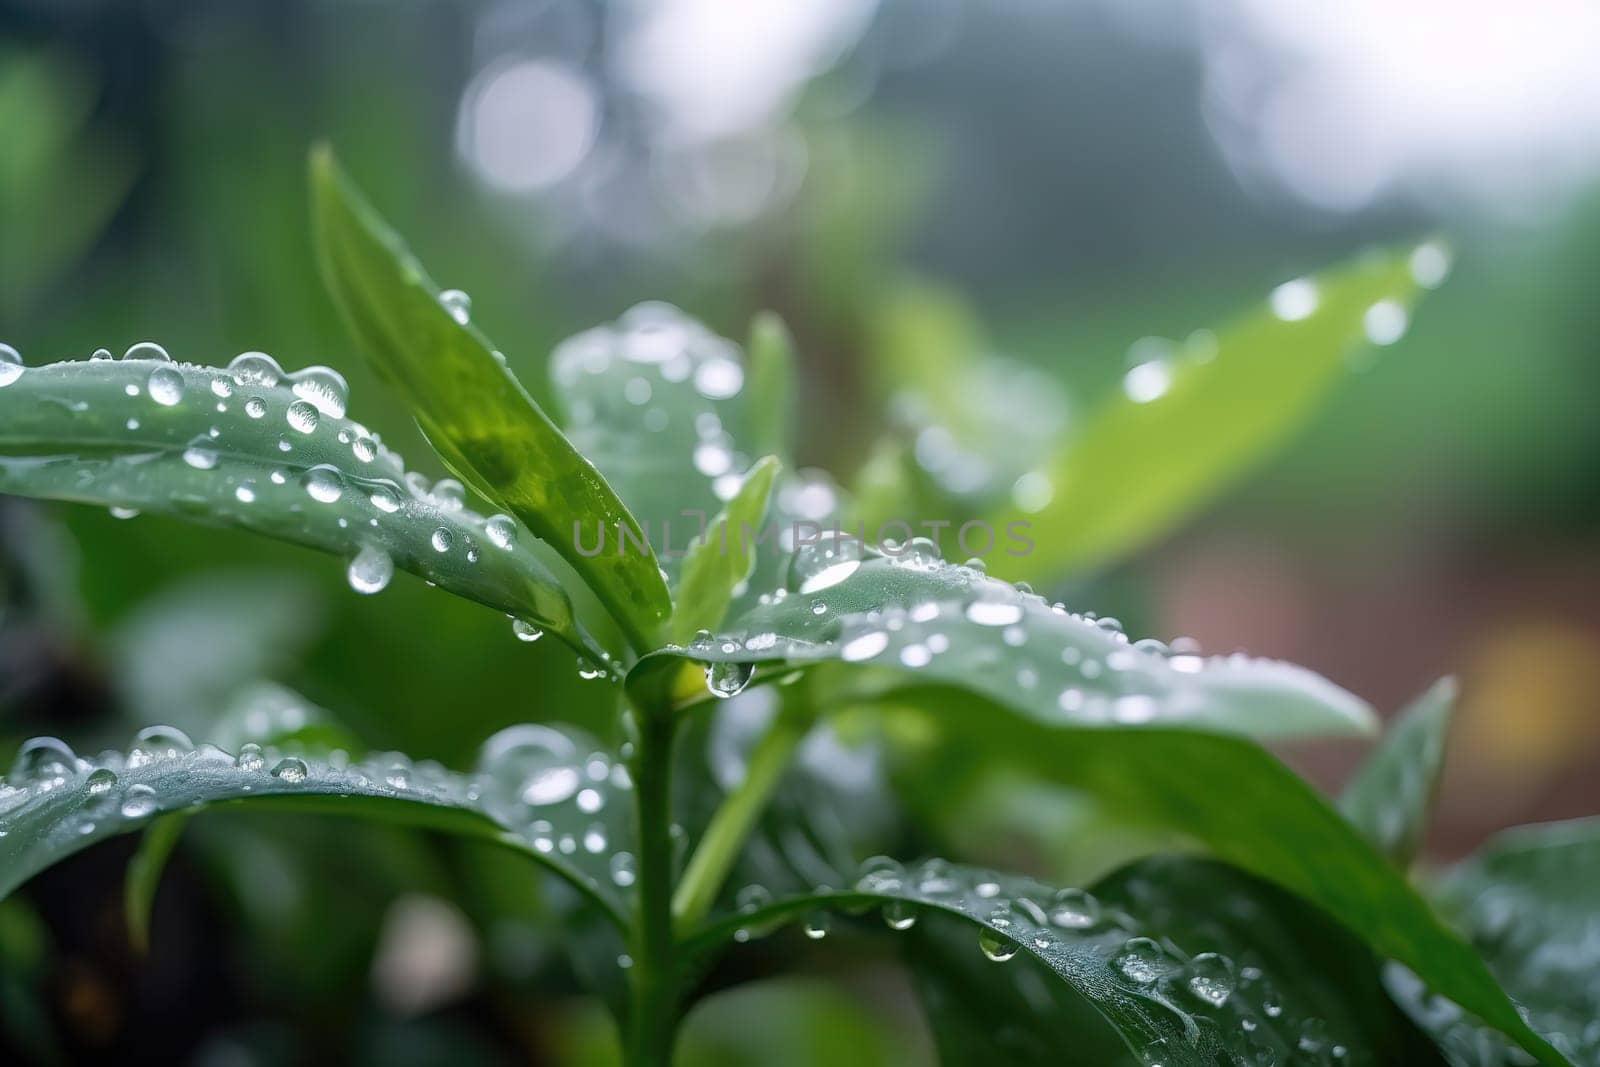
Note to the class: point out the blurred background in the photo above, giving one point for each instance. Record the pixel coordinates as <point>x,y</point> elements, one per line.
<point>1057,183</point>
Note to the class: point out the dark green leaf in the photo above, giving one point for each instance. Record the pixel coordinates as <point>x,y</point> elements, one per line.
<point>277,464</point>
<point>539,791</point>
<point>1191,420</point>
<point>472,408</point>
<point>717,564</point>
<point>1390,796</point>
<point>143,876</point>
<point>1530,902</point>
<point>1217,984</point>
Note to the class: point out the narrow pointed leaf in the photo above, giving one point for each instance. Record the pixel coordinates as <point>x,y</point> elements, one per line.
<point>472,408</point>
<point>1186,425</point>
<point>769,410</point>
<point>1203,987</point>
<point>1391,795</point>
<point>143,876</point>
<point>548,795</point>
<point>1530,901</point>
<point>723,559</point>
<point>90,431</point>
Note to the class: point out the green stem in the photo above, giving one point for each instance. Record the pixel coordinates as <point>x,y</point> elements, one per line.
<point>731,824</point>
<point>653,1011</point>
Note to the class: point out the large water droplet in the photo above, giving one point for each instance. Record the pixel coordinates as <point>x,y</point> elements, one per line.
<point>996,947</point>
<point>165,386</point>
<point>250,757</point>
<point>1294,300</point>
<point>1210,977</point>
<point>255,369</point>
<point>1074,909</point>
<point>724,680</point>
<point>11,367</point>
<point>162,741</point>
<point>458,304</point>
<point>864,646</point>
<point>370,570</point>
<point>323,483</point>
<point>752,897</point>
<point>525,631</point>
<point>139,802</point>
<point>1141,960</point>
<point>994,612</point>
<point>303,416</point>
<point>291,769</point>
<point>101,781</point>
<point>623,872</point>
<point>532,764</point>
<point>442,539</point>
<point>816,925</point>
<point>501,530</point>
<point>900,915</point>
<point>147,350</point>
<point>255,407</point>
<point>324,388</point>
<point>42,758</point>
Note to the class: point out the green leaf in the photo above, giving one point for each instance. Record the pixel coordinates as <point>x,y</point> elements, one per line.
<point>143,876</point>
<point>277,464</point>
<point>1189,422</point>
<point>654,400</point>
<point>546,793</point>
<point>1391,795</point>
<point>1182,978</point>
<point>1282,953</point>
<point>769,418</point>
<point>915,615</point>
<point>724,557</point>
<point>1530,902</point>
<point>475,413</point>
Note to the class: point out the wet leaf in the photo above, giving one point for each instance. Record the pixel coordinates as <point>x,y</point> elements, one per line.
<point>1190,420</point>
<point>917,616</point>
<point>543,792</point>
<point>721,561</point>
<point>1391,795</point>
<point>1530,902</point>
<point>475,413</point>
<point>92,431</point>
<point>1213,985</point>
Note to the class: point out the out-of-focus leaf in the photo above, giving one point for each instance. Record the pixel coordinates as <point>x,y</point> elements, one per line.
<point>474,411</point>
<point>179,656</point>
<point>138,434</point>
<point>1197,992</point>
<point>717,564</point>
<point>1185,424</point>
<point>1391,795</point>
<point>918,616</point>
<point>539,791</point>
<point>654,400</point>
<point>271,714</point>
<point>1530,902</point>
<point>971,421</point>
<point>61,178</point>
<point>143,876</point>
<point>769,412</point>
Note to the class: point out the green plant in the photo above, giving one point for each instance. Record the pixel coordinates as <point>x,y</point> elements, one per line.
<point>1296,937</point>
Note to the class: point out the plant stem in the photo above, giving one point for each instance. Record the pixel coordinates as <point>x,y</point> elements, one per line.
<point>733,820</point>
<point>653,1014</point>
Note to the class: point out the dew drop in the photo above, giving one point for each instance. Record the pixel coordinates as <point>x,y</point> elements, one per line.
<point>42,758</point>
<point>1385,322</point>
<point>816,925</point>
<point>1141,961</point>
<point>322,387</point>
<point>11,367</point>
<point>1210,977</point>
<point>147,350</point>
<point>165,386</point>
<point>323,483</point>
<point>996,947</point>
<point>370,570</point>
<point>532,764</point>
<point>384,501</point>
<point>302,416</point>
<point>442,539</point>
<point>250,757</point>
<point>899,915</point>
<point>255,369</point>
<point>1294,300</point>
<point>291,769</point>
<point>458,304</point>
<point>221,388</point>
<point>994,613</point>
<point>101,781</point>
<point>139,802</point>
<point>864,647</point>
<point>123,513</point>
<point>1074,909</point>
<point>622,870</point>
<point>255,407</point>
<point>501,530</point>
<point>724,680</point>
<point>525,631</point>
<point>752,897</point>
